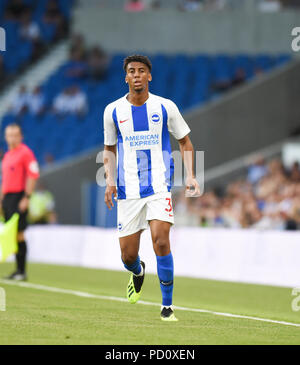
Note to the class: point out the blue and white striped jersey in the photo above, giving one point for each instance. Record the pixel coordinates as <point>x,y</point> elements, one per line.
<point>144,162</point>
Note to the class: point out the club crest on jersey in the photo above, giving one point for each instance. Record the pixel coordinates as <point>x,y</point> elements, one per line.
<point>155,118</point>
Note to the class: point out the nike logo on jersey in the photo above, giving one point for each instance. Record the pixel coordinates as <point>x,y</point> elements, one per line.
<point>122,121</point>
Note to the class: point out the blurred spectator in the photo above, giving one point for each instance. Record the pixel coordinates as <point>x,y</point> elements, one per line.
<point>294,218</point>
<point>28,35</point>
<point>20,102</point>
<point>48,158</point>
<point>30,31</point>
<point>290,3</point>
<point>36,101</point>
<point>258,71</point>
<point>134,6</point>
<point>239,77</point>
<point>295,172</point>
<point>28,101</point>
<point>221,85</point>
<point>155,4</point>
<point>268,199</point>
<point>84,63</point>
<point>97,63</point>
<point>54,17</point>
<point>71,101</point>
<point>15,10</point>
<point>78,45</point>
<point>76,68</point>
<point>41,208</point>
<point>190,5</point>
<point>257,170</point>
<point>215,4</point>
<point>269,6</point>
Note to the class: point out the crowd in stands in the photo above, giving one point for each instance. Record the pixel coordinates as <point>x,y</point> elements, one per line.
<point>183,5</point>
<point>267,198</point>
<point>83,64</point>
<point>30,26</point>
<point>196,5</point>
<point>71,101</point>
<point>25,101</point>
<point>277,5</point>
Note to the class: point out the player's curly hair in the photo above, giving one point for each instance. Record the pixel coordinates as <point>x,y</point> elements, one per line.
<point>137,58</point>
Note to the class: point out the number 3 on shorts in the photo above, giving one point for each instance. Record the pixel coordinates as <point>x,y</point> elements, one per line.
<point>169,205</point>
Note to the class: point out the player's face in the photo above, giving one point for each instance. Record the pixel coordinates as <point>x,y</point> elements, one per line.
<point>138,76</point>
<point>13,136</point>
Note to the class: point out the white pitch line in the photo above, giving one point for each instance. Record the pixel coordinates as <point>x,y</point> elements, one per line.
<point>118,299</point>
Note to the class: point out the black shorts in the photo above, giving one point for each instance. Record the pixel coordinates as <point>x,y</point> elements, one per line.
<point>10,205</point>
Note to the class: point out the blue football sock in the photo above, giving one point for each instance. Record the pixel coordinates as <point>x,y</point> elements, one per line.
<point>165,271</point>
<point>134,267</point>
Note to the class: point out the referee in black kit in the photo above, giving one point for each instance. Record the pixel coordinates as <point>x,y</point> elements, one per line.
<point>20,172</point>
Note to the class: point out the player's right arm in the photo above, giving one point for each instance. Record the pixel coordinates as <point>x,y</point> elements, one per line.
<point>109,156</point>
<point>109,165</point>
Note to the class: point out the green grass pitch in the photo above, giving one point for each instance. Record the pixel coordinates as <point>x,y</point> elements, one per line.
<point>40,317</point>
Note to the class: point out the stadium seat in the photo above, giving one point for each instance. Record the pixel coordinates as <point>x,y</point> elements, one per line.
<point>187,80</point>
<point>19,52</point>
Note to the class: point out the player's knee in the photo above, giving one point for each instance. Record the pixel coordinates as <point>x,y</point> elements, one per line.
<point>128,258</point>
<point>161,242</point>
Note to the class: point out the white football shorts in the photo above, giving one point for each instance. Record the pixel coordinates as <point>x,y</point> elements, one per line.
<point>134,214</point>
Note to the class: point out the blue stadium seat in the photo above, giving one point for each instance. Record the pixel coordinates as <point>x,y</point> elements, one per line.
<point>19,52</point>
<point>187,80</point>
<point>222,68</point>
<point>282,59</point>
<point>264,61</point>
<point>244,62</point>
<point>48,31</point>
<point>25,51</point>
<point>65,7</point>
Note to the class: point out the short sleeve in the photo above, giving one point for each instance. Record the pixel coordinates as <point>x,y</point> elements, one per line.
<point>177,126</point>
<point>110,131</point>
<point>31,165</point>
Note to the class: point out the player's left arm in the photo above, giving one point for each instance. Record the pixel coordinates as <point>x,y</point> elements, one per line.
<point>187,153</point>
<point>178,127</point>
